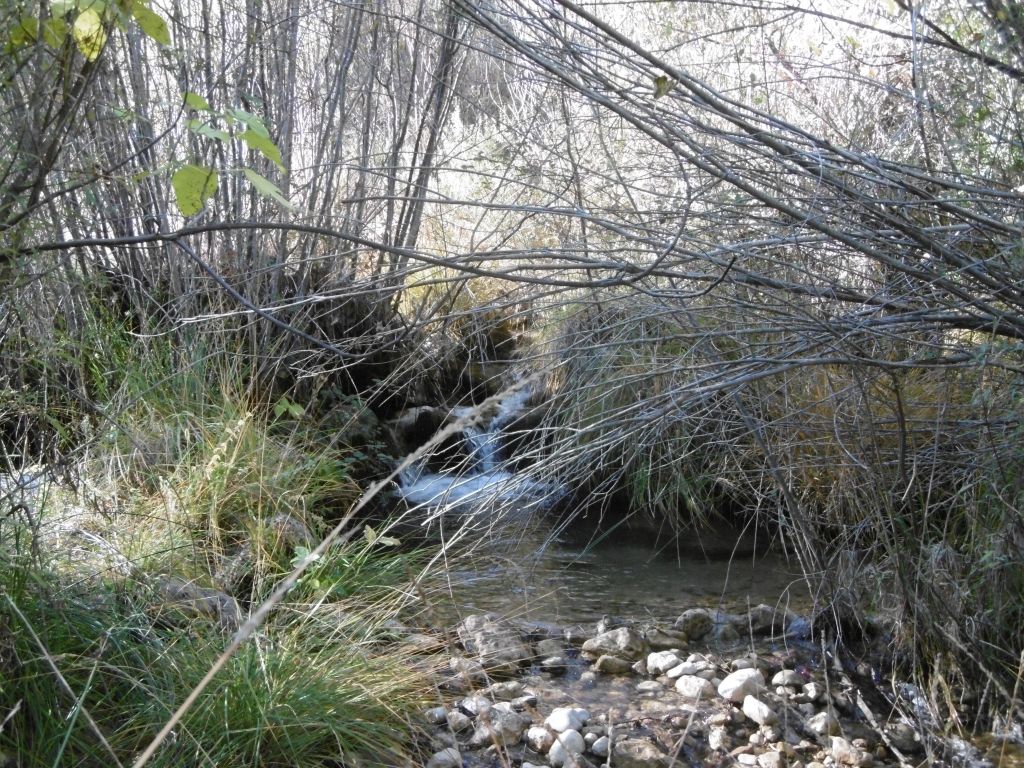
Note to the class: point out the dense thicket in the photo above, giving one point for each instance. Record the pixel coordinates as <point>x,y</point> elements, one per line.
<point>760,255</point>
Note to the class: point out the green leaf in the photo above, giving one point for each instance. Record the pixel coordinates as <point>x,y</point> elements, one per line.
<point>369,534</point>
<point>267,188</point>
<point>663,85</point>
<point>295,410</point>
<point>250,120</point>
<point>205,129</point>
<point>55,30</point>
<point>280,407</point>
<point>89,34</point>
<point>23,32</point>
<point>151,22</point>
<point>193,185</point>
<point>264,145</point>
<point>195,101</point>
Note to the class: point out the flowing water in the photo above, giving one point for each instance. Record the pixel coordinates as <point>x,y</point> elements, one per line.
<point>527,568</point>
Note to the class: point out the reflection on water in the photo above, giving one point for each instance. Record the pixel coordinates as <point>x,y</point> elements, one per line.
<point>532,575</point>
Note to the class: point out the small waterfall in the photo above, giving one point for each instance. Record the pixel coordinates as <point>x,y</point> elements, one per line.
<point>483,481</point>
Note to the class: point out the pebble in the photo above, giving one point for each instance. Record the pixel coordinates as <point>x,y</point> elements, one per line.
<point>740,684</point>
<point>435,715</point>
<point>689,668</point>
<point>555,665</point>
<point>600,746</point>
<point>566,743</point>
<point>814,691</point>
<point>746,759</point>
<point>758,711</point>
<point>649,686</point>
<point>695,623</point>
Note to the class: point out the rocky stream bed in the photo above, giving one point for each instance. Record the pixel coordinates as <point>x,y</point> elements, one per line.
<point>712,689</point>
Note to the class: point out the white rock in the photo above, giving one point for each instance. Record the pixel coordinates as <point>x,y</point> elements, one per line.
<point>566,743</point>
<point>746,759</point>
<point>625,643</point>
<point>446,758</point>
<point>566,719</point>
<point>740,684</point>
<point>788,677</point>
<point>476,704</point>
<point>814,691</point>
<point>694,687</point>
<point>600,747</point>
<point>824,724</point>
<point>758,711</point>
<point>718,738</point>
<point>660,662</point>
<point>649,686</point>
<point>540,739</point>
<point>845,753</point>
<point>771,759</point>
<point>688,668</point>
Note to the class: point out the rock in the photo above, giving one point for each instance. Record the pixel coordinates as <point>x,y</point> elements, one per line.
<point>746,758</point>
<point>740,684</point>
<point>660,639</point>
<point>497,644</point>
<point>522,702</point>
<point>588,679</point>
<point>638,753</point>
<point>539,739</point>
<point>554,665</point>
<point>608,623</point>
<point>181,602</point>
<point>758,711</point>
<point>814,691</point>
<point>502,728</point>
<point>613,665</point>
<point>624,643</point>
<point>459,721</point>
<point>904,738</point>
<point>695,623</point>
<point>824,724</point>
<point>435,715</point>
<point>649,686</point>
<point>744,662</point>
<point>660,662</point>
<point>771,759</point>
<point>694,687</point>
<point>566,719</point>
<point>726,633</point>
<point>600,746</point>
<point>549,647</point>
<point>566,744</point>
<point>474,705</point>
<point>690,668</point>
<point>845,753</point>
<point>766,620</point>
<point>790,678</point>
<point>469,670</point>
<point>446,758</point>
<point>505,691</point>
<point>640,667</point>
<point>718,739</point>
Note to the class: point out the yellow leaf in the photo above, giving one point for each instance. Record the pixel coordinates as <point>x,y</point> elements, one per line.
<point>193,184</point>
<point>89,34</point>
<point>151,22</point>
